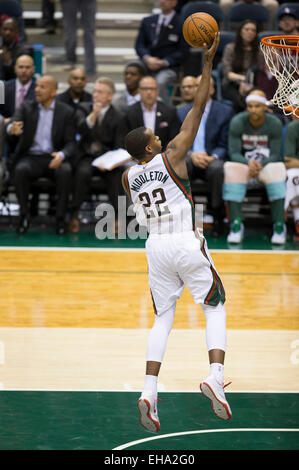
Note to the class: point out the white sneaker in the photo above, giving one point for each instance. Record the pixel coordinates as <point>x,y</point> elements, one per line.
<point>215,392</point>
<point>147,406</point>
<point>236,237</point>
<point>279,238</point>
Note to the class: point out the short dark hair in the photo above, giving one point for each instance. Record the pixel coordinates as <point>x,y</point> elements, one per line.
<point>138,65</point>
<point>136,141</point>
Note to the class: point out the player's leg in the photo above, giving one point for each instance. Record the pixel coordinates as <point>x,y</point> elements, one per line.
<point>200,276</point>
<point>156,346</point>
<point>236,177</point>
<point>273,175</point>
<point>212,387</point>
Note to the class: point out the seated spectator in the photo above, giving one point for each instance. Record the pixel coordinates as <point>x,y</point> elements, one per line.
<point>150,112</point>
<point>188,89</point>
<point>161,46</point>
<point>291,152</point>
<point>288,21</point>
<point>254,152</point>
<point>20,88</point>
<point>2,163</point>
<point>238,57</point>
<point>76,93</point>
<point>97,125</point>
<point>11,48</point>
<point>46,144</point>
<point>209,151</point>
<point>133,73</point>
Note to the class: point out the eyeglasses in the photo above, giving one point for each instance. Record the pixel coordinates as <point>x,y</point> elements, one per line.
<point>148,88</point>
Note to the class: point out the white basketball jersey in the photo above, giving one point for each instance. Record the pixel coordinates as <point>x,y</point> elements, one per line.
<point>162,200</point>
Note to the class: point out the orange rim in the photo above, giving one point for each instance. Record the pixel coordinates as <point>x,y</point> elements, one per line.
<point>291,39</point>
<point>292,109</point>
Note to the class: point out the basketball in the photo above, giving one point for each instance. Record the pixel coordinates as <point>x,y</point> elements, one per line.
<point>200,28</point>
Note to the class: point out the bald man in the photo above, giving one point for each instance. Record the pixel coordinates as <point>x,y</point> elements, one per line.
<point>76,92</point>
<point>46,144</point>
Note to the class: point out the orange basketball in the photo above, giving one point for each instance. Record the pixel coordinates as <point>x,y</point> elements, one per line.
<point>200,28</point>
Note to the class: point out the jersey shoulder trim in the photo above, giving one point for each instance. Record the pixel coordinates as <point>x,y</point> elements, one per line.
<point>125,182</point>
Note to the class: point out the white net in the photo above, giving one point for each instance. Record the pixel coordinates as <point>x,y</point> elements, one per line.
<point>283,63</point>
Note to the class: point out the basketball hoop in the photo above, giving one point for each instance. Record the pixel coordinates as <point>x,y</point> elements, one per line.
<point>281,55</point>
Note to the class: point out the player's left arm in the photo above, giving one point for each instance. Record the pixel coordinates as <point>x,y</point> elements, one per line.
<point>178,147</point>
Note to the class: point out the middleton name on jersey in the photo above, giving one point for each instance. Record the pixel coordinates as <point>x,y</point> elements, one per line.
<point>146,178</point>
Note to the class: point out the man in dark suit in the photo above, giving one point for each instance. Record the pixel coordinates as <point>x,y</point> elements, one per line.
<point>20,88</point>
<point>76,93</point>
<point>10,48</point>
<point>161,46</point>
<point>151,113</point>
<point>209,151</point>
<point>97,125</point>
<point>46,144</point>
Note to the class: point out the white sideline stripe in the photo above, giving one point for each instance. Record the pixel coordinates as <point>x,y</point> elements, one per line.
<point>135,250</point>
<point>203,431</point>
<point>130,390</point>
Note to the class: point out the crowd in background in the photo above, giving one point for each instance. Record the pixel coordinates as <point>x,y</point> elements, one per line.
<point>242,141</point>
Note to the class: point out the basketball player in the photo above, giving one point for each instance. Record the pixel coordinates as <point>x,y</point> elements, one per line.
<point>177,256</point>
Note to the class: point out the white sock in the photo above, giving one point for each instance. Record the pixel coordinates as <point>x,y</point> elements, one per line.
<point>150,384</point>
<point>216,369</point>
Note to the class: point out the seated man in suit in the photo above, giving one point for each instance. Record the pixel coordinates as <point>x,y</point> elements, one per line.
<point>133,73</point>
<point>291,152</point>
<point>97,125</point>
<point>20,88</point>
<point>2,163</point>
<point>46,144</point>
<point>161,46</point>
<point>76,93</point>
<point>11,48</point>
<point>209,151</point>
<point>151,113</point>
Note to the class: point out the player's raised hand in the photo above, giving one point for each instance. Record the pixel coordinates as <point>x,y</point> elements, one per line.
<point>210,53</point>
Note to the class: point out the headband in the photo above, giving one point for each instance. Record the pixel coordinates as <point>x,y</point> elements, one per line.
<point>258,98</point>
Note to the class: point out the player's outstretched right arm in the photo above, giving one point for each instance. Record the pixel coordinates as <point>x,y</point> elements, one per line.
<point>179,146</point>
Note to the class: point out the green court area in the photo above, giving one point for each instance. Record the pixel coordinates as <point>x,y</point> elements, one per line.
<point>40,420</point>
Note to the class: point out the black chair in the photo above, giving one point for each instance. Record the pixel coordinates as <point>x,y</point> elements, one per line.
<point>225,38</point>
<point>206,7</point>
<point>245,11</point>
<point>218,82</point>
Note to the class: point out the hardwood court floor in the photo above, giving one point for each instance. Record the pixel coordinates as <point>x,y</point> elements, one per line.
<point>79,320</point>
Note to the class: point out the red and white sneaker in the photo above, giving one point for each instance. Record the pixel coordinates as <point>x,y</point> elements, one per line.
<point>215,392</point>
<point>147,406</point>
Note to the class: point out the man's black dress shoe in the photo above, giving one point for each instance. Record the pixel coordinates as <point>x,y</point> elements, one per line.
<point>60,227</point>
<point>23,225</point>
<point>218,228</point>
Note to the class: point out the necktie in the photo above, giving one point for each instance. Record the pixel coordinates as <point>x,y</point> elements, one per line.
<point>21,96</point>
<point>159,30</point>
